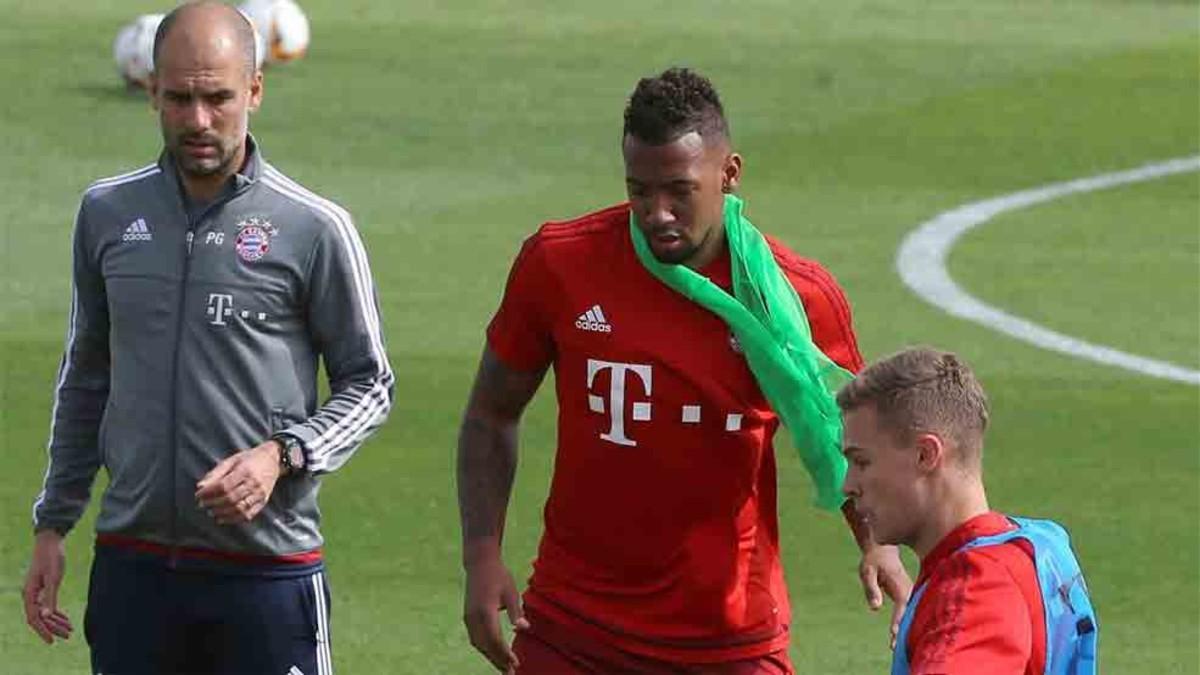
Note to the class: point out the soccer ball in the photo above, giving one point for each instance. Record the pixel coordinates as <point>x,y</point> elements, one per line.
<point>282,27</point>
<point>133,50</point>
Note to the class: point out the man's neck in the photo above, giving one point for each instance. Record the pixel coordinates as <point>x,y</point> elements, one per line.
<point>203,190</point>
<point>955,507</point>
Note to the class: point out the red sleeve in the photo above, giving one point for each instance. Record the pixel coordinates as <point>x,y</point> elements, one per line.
<point>827,309</point>
<point>974,619</point>
<point>519,333</point>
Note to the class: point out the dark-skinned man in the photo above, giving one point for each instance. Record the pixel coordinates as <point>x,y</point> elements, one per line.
<point>679,336</point>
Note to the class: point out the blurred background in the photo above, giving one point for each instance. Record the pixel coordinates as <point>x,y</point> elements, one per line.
<point>452,129</point>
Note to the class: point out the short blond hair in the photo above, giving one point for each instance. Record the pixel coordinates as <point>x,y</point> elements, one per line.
<point>922,389</point>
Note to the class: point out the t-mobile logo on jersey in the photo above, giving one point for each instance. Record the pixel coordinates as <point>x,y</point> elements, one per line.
<point>220,305</point>
<point>616,397</point>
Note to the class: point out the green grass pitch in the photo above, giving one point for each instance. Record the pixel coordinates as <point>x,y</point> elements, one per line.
<point>452,129</point>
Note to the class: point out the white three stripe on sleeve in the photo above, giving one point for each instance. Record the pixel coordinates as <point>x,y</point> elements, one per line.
<point>353,422</point>
<point>113,181</point>
<point>63,367</point>
<point>359,419</point>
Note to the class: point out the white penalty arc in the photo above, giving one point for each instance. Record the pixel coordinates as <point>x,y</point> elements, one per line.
<point>921,262</point>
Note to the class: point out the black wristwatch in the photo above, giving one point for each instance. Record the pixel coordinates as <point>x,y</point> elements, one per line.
<point>291,453</point>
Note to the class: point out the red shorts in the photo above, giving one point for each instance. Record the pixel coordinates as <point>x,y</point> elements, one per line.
<point>549,649</point>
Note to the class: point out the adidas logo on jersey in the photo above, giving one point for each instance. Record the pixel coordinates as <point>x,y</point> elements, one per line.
<point>137,231</point>
<point>593,320</point>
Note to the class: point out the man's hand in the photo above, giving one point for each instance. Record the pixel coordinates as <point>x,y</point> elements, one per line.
<point>490,588</point>
<point>46,570</point>
<point>880,568</point>
<point>239,486</point>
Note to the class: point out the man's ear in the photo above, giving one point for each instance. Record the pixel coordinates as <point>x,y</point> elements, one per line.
<point>931,452</point>
<point>256,91</point>
<point>731,172</point>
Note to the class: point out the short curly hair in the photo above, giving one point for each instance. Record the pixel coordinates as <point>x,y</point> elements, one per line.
<point>676,102</point>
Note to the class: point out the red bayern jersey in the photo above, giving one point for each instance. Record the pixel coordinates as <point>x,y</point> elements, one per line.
<point>661,534</point>
<point>982,610</point>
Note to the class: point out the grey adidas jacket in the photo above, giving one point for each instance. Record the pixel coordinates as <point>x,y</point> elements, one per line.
<point>189,341</point>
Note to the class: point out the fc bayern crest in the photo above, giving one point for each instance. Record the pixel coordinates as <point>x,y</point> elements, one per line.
<point>253,238</point>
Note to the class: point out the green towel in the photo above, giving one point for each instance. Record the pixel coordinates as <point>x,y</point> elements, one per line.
<point>768,319</point>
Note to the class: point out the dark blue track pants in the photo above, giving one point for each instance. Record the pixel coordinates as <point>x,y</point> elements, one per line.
<point>145,618</point>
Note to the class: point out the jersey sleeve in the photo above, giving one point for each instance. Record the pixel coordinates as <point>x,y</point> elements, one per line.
<point>80,393</point>
<point>343,314</point>
<point>973,619</point>
<point>519,334</point>
<point>828,312</point>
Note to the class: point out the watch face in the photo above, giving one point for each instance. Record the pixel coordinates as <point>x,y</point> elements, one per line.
<point>295,456</point>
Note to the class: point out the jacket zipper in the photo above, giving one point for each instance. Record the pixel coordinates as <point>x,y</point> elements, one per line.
<point>173,558</point>
<point>189,239</point>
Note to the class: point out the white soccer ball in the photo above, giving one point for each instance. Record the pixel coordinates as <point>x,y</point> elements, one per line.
<point>133,49</point>
<point>260,43</point>
<point>283,28</point>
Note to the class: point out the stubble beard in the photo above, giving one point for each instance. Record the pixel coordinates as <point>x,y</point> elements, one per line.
<point>202,167</point>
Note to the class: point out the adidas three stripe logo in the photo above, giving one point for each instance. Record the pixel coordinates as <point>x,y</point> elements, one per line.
<point>138,230</point>
<point>593,320</point>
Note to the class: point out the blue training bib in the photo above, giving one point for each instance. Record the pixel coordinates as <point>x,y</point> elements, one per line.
<point>1071,628</point>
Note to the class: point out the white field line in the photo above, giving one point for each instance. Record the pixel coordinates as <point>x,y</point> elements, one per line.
<point>921,262</point>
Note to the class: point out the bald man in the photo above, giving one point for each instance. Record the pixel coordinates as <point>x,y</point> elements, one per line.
<point>206,288</point>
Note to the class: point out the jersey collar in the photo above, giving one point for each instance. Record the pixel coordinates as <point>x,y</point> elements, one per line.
<point>982,525</point>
